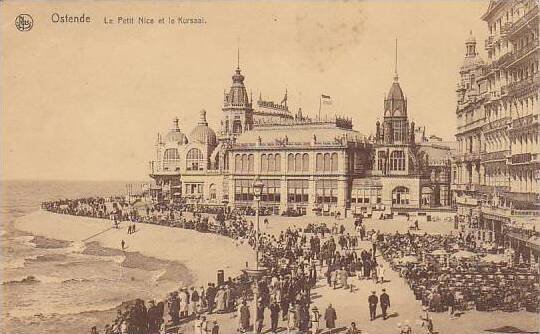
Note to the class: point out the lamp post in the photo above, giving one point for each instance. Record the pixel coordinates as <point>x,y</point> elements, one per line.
<point>258,272</point>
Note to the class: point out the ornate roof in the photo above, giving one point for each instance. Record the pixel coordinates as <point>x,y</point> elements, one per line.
<point>395,103</point>
<point>202,133</point>
<point>175,135</point>
<point>298,133</point>
<point>237,96</point>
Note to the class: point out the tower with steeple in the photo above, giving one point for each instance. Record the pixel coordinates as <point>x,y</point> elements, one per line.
<point>237,107</point>
<point>393,135</point>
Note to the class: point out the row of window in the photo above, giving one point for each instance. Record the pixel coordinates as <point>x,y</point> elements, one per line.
<point>396,161</point>
<point>366,196</point>
<point>296,162</point>
<point>194,159</point>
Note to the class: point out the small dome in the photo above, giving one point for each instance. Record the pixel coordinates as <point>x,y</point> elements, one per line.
<point>202,133</point>
<point>472,62</point>
<point>175,135</point>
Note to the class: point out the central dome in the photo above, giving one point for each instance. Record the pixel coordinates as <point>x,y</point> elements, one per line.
<point>202,133</point>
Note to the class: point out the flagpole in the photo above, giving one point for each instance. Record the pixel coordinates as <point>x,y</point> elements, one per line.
<point>320,102</point>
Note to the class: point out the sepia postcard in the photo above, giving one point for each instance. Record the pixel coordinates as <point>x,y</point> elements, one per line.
<point>221,167</point>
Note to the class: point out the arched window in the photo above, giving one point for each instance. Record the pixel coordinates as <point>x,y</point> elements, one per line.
<point>264,163</point>
<point>244,163</point>
<point>400,195</point>
<point>319,165</point>
<point>238,163</point>
<point>290,162</point>
<point>194,159</point>
<point>171,158</point>
<point>237,126</point>
<point>251,159</point>
<point>327,162</point>
<point>397,160</point>
<point>278,163</point>
<point>171,154</point>
<point>271,163</point>
<point>298,162</point>
<point>305,162</point>
<point>212,191</point>
<point>334,162</point>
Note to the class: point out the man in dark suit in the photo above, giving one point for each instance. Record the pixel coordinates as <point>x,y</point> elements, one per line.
<point>385,302</point>
<point>372,301</point>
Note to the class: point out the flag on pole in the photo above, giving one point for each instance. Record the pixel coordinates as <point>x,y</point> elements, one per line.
<point>326,99</point>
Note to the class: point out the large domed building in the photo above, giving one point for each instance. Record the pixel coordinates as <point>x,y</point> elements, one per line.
<point>309,166</point>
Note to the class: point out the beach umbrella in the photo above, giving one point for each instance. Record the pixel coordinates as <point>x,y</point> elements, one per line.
<point>494,258</point>
<point>439,252</point>
<point>463,254</point>
<point>408,259</point>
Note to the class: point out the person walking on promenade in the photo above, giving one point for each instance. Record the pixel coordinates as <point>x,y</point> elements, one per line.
<point>385,303</point>
<point>292,320</point>
<point>244,317</point>
<point>374,238</point>
<point>260,317</point>
<point>314,318</point>
<point>274,316</point>
<point>373,300</point>
<point>123,244</point>
<point>330,317</point>
<point>380,273</point>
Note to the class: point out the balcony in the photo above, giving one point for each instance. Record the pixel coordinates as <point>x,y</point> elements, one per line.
<point>524,86</point>
<point>523,21</point>
<point>489,43</point>
<point>506,29</point>
<point>492,156</point>
<point>522,158</point>
<point>496,211</point>
<point>520,53</point>
<point>524,122</point>
<point>464,186</point>
<point>470,156</point>
<point>463,200</point>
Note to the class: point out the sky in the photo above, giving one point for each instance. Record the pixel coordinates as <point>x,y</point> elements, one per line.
<point>85,101</point>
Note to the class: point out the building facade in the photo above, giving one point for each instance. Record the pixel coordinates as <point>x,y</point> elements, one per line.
<point>309,166</point>
<point>496,170</point>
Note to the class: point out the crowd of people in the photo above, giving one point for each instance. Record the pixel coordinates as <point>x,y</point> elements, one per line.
<point>294,261</point>
<point>424,260</point>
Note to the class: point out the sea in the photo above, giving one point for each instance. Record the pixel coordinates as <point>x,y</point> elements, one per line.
<point>55,286</point>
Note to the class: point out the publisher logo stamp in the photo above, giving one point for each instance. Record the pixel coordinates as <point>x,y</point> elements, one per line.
<point>24,22</point>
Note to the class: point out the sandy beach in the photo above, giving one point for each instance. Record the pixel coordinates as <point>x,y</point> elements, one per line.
<point>201,253</point>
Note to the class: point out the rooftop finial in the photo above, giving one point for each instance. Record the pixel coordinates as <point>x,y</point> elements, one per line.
<point>238,53</point>
<point>395,64</point>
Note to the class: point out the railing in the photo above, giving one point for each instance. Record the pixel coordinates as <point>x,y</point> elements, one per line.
<point>497,211</point>
<point>506,29</point>
<point>489,43</point>
<point>524,121</point>
<point>464,186</point>
<point>488,189</point>
<point>500,155</point>
<point>466,201</point>
<point>531,82</point>
<point>522,21</point>
<point>521,158</point>
<point>525,50</point>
